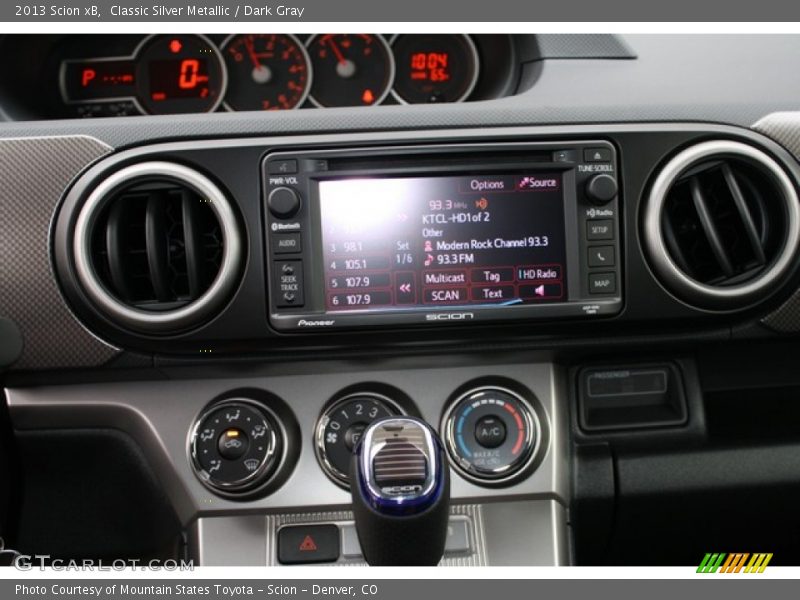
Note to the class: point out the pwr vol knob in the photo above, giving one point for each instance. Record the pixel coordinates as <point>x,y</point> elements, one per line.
<point>492,435</point>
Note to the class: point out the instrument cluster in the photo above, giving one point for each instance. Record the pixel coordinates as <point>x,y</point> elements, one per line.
<point>189,73</point>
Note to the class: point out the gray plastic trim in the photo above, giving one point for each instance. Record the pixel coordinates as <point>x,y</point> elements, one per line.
<point>729,297</point>
<point>148,321</point>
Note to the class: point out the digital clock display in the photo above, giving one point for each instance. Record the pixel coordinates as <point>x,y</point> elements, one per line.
<point>423,242</point>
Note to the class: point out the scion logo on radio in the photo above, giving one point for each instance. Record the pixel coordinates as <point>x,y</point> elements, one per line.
<point>457,316</point>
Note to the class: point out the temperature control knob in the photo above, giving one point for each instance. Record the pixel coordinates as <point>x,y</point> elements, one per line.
<point>492,435</point>
<point>235,446</point>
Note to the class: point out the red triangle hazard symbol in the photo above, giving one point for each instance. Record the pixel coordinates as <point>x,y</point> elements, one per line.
<point>308,545</point>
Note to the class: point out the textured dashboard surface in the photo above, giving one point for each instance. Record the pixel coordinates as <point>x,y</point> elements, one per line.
<point>33,175</point>
<point>692,78</point>
<point>784,128</point>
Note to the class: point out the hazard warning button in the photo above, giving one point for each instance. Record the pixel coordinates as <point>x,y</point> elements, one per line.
<point>299,544</point>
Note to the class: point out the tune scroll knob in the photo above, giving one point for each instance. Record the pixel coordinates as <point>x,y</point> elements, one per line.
<point>601,189</point>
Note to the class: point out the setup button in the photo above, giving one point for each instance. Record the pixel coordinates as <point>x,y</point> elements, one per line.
<point>600,229</point>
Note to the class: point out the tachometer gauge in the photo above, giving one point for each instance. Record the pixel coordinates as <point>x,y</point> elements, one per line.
<point>266,72</point>
<point>179,74</point>
<point>350,70</point>
<point>434,68</point>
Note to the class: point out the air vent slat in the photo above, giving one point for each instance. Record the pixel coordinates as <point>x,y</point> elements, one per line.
<point>709,227</point>
<point>116,248</point>
<point>193,244</point>
<point>157,245</point>
<point>744,212</point>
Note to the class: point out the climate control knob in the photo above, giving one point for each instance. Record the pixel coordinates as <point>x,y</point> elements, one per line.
<point>341,426</point>
<point>492,435</point>
<point>235,446</point>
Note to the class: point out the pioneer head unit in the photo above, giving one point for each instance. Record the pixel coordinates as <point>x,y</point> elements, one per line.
<point>436,234</point>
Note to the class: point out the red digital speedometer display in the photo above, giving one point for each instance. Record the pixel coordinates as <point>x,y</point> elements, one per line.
<point>181,78</point>
<point>180,74</point>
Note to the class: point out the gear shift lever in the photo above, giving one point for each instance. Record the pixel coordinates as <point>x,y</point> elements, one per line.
<point>401,493</point>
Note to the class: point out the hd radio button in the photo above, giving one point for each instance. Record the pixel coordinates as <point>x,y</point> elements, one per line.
<point>283,202</point>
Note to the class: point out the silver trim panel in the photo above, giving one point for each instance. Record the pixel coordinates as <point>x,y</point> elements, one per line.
<point>158,415</point>
<point>529,533</point>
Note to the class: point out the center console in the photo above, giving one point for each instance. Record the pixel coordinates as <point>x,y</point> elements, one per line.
<point>255,502</point>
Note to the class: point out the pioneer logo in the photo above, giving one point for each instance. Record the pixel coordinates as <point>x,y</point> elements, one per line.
<point>319,323</point>
<point>461,316</point>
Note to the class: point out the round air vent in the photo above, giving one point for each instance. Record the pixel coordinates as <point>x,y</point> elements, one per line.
<point>721,225</point>
<point>156,247</point>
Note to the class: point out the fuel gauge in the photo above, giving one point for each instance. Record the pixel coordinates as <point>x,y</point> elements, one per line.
<point>350,70</point>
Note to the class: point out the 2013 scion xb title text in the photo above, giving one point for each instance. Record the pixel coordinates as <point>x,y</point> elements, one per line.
<point>160,10</point>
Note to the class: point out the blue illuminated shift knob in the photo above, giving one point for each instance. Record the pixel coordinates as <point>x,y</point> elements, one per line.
<point>401,492</point>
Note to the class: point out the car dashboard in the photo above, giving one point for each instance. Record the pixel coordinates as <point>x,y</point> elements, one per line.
<point>574,256</point>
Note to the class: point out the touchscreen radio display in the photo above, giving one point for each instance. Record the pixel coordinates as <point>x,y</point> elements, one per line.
<point>424,242</point>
